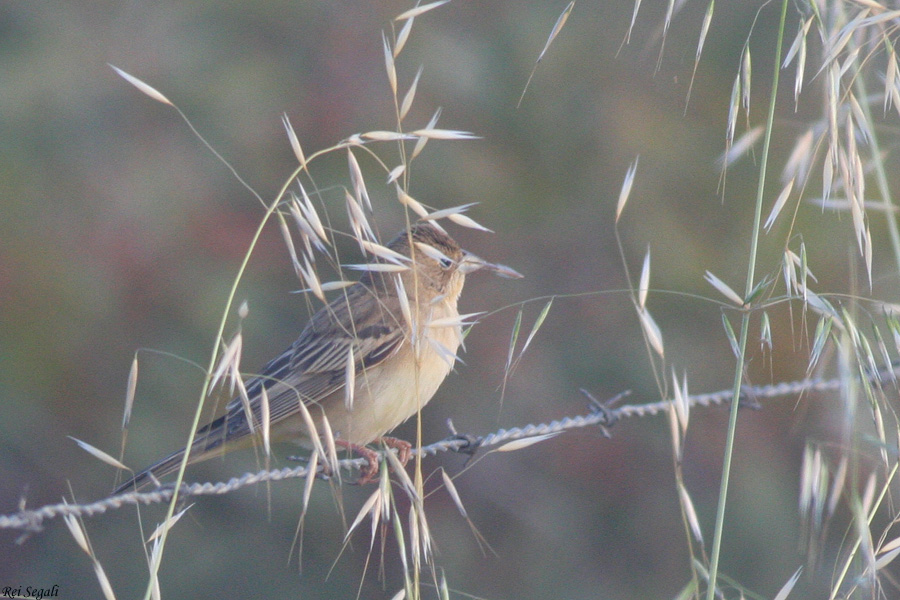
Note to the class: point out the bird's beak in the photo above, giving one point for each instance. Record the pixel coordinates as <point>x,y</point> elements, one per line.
<point>471,263</point>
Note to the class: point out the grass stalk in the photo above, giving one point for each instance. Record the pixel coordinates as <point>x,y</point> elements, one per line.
<point>745,319</point>
<point>214,355</point>
<point>204,390</point>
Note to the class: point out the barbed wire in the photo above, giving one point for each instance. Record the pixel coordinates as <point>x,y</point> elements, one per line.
<point>600,414</point>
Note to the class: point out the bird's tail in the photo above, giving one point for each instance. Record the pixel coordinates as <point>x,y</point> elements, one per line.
<point>208,440</point>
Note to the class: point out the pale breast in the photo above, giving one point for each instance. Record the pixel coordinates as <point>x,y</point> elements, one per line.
<point>390,393</point>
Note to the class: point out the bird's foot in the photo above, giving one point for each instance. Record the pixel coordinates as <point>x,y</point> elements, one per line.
<point>403,448</point>
<point>368,472</point>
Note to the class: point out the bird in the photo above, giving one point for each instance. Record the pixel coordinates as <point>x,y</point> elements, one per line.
<point>367,361</point>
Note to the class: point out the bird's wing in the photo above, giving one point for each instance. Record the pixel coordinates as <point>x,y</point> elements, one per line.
<point>315,366</point>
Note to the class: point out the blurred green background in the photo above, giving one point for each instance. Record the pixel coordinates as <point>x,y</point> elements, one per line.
<point>120,232</point>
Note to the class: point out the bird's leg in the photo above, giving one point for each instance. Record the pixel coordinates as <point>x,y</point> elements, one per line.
<point>367,473</point>
<point>403,448</point>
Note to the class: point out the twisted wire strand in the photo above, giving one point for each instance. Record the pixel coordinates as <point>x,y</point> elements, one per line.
<point>32,520</point>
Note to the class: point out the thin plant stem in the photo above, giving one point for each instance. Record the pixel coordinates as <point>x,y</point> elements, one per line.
<point>214,355</point>
<point>852,554</point>
<point>195,424</point>
<point>745,320</point>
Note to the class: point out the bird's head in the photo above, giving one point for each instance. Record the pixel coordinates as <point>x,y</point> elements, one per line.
<point>438,264</point>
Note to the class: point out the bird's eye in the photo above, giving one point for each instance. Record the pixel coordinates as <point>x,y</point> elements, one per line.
<point>446,263</point>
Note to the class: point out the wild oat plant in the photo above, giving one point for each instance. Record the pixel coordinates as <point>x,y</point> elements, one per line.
<point>841,58</point>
